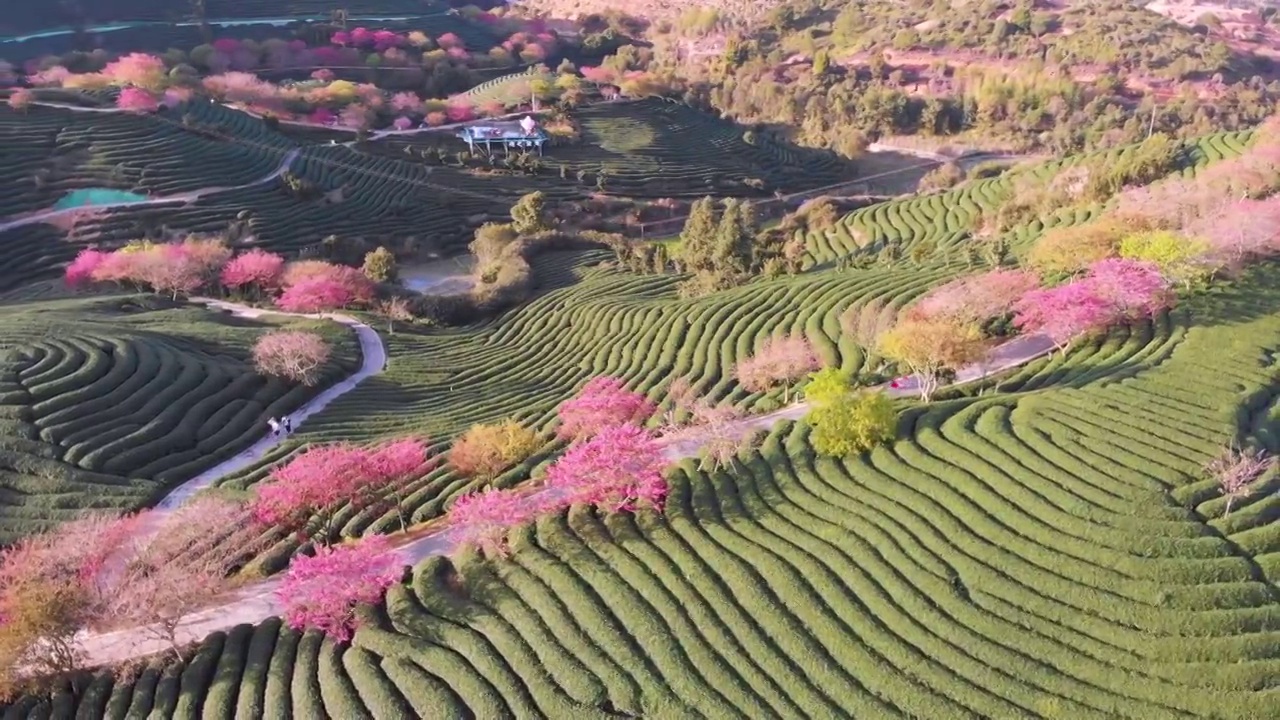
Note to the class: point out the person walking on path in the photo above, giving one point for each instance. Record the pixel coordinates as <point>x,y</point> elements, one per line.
<point>288,424</point>
<point>275,426</point>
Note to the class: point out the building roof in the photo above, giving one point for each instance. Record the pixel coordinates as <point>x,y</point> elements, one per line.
<point>499,131</point>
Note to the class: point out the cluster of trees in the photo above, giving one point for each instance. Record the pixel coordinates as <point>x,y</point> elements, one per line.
<point>836,80</point>
<point>1189,228</point>
<point>146,570</point>
<point>718,246</point>
<point>306,495</point>
<point>198,264</point>
<point>612,463</point>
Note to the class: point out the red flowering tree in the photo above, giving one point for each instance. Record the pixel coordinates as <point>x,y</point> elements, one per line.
<point>602,403</point>
<point>323,591</point>
<point>780,360</point>
<point>322,479</point>
<point>449,40</point>
<point>460,109</point>
<point>619,468</point>
<point>390,468</point>
<point>137,100</point>
<point>293,355</point>
<point>315,295</point>
<point>256,269</point>
<point>80,271</point>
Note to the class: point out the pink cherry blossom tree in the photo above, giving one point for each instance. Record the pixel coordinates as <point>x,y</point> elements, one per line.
<point>1134,288</point>
<point>619,469</point>
<point>1065,312</point>
<point>780,360</point>
<point>315,295</point>
<point>137,69</point>
<point>324,590</point>
<point>390,468</point>
<point>315,482</point>
<point>137,100</point>
<point>290,354</point>
<point>21,99</point>
<point>406,102</point>
<point>402,123</point>
<point>974,299</point>
<point>179,567</point>
<point>80,271</point>
<point>256,269</point>
<point>484,519</point>
<point>602,403</point>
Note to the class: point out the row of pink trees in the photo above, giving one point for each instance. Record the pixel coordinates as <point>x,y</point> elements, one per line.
<point>1113,290</point>
<point>147,570</point>
<point>195,264</point>
<point>613,463</point>
<point>322,590</point>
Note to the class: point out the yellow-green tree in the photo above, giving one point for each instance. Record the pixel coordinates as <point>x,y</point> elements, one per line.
<point>1181,259</point>
<point>486,450</point>
<point>844,421</point>
<point>1070,250</point>
<point>380,265</point>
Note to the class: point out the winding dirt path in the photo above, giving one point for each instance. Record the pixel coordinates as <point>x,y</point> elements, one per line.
<point>46,215</point>
<point>257,602</point>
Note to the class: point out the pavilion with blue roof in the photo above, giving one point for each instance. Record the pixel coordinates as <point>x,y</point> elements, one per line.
<point>523,135</point>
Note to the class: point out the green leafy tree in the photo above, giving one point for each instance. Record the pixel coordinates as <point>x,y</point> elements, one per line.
<point>697,239</point>
<point>735,238</point>
<point>380,265</point>
<point>528,215</point>
<point>846,422</point>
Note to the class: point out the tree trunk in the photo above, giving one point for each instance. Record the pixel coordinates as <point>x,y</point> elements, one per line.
<point>1230,499</point>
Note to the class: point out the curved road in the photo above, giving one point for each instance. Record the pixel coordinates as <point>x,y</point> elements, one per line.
<point>257,602</point>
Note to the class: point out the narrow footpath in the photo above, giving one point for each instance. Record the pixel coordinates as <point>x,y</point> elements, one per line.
<point>257,602</point>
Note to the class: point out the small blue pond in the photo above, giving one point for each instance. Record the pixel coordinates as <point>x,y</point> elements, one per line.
<point>96,196</point>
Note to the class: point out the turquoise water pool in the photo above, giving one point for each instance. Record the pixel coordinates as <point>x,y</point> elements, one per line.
<point>96,196</point>
<point>276,21</point>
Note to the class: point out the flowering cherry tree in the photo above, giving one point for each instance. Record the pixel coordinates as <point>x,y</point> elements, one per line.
<point>619,468</point>
<point>780,360</point>
<point>80,271</point>
<point>1133,288</point>
<point>322,479</point>
<point>602,403</point>
<point>975,299</point>
<point>21,99</point>
<point>315,295</point>
<point>137,69</point>
<point>137,100</point>
<point>1065,312</point>
<point>323,591</point>
<point>483,519</point>
<point>290,354</point>
<point>402,123</point>
<point>256,268</point>
<point>164,575</point>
